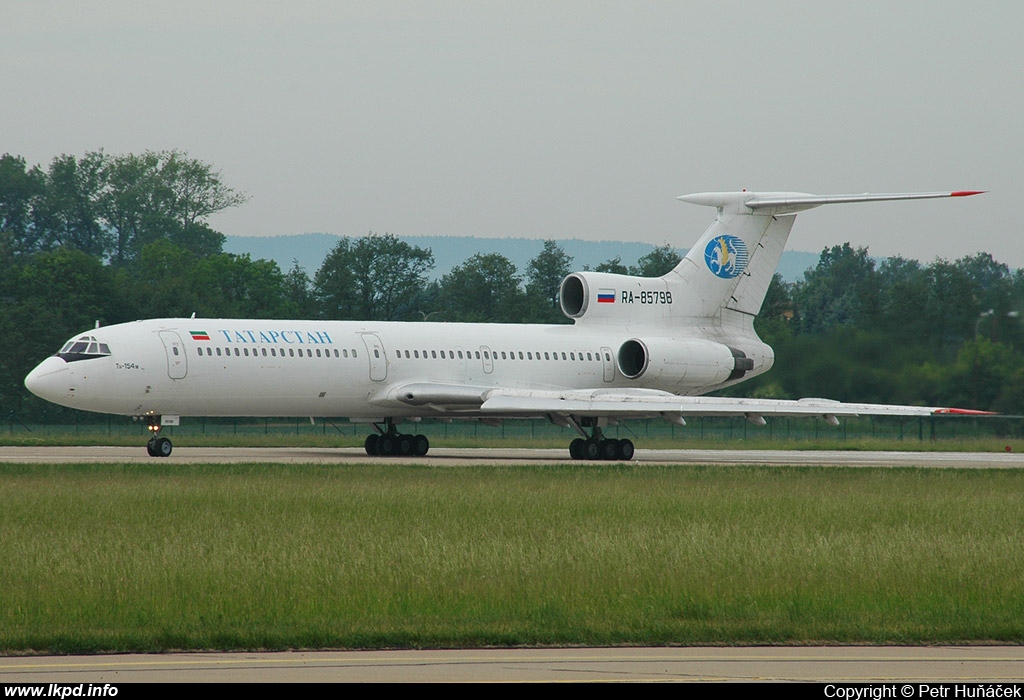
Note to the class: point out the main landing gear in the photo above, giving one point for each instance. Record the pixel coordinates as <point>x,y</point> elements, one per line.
<point>391,443</point>
<point>157,446</point>
<point>597,446</point>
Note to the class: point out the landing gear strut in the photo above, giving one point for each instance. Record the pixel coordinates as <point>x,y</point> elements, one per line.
<point>597,446</point>
<point>157,446</point>
<point>390,442</point>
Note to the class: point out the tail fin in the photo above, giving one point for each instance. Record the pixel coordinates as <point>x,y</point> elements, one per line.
<point>732,264</point>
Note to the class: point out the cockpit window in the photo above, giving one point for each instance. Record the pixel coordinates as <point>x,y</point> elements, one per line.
<point>84,348</point>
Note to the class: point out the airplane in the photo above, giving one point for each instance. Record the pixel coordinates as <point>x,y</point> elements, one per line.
<point>638,348</point>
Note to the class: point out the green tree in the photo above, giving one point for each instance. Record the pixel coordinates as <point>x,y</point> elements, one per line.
<point>374,278</point>
<point>658,262</point>
<point>613,266</point>
<point>952,308</point>
<point>544,277</point>
<point>162,194</point>
<point>20,187</point>
<point>485,288</point>
<point>47,297</point>
<point>840,290</point>
<point>777,317</point>
<point>68,211</point>
<point>298,292</point>
<point>236,286</point>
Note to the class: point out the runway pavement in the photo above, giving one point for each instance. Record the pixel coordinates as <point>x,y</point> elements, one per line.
<point>465,456</point>
<point>839,665</point>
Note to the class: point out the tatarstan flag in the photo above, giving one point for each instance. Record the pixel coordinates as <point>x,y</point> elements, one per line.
<point>200,335</point>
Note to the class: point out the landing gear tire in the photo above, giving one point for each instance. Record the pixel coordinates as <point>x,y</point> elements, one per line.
<point>420,445</point>
<point>405,445</point>
<point>159,447</point>
<point>392,443</point>
<point>370,444</point>
<point>601,448</point>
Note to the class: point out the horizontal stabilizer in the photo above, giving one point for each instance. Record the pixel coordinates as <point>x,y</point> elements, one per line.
<point>792,202</point>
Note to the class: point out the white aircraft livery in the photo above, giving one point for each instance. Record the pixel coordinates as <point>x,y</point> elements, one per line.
<point>638,348</point>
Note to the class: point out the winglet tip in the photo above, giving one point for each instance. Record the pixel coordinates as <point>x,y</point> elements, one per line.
<point>962,412</point>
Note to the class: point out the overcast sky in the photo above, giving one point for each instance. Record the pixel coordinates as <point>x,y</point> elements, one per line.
<point>544,119</point>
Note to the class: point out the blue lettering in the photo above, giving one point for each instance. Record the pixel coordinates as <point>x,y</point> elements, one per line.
<point>227,335</point>
<point>323,337</point>
<point>251,336</point>
<point>239,337</point>
<point>265,338</point>
<point>274,335</point>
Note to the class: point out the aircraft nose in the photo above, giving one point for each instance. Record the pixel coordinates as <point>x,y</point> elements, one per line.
<point>50,380</point>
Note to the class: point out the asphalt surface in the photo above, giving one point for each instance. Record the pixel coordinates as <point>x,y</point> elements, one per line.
<point>839,665</point>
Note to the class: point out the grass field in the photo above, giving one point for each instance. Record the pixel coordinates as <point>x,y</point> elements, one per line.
<point>155,557</point>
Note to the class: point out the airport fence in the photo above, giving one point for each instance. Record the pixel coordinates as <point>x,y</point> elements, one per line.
<point>932,428</point>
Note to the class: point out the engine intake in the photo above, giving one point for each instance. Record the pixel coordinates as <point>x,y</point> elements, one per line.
<point>573,295</point>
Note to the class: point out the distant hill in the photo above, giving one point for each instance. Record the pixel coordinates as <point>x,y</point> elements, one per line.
<point>310,249</point>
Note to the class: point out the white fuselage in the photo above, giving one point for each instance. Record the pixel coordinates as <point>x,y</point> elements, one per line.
<point>220,367</point>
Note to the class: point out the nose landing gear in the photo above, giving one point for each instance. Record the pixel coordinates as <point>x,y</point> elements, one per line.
<point>157,446</point>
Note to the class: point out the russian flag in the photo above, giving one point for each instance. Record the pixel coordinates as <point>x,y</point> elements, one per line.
<point>605,296</point>
<point>200,335</point>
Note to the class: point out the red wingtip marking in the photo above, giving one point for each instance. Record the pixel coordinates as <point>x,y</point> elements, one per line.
<point>963,412</point>
<point>966,193</point>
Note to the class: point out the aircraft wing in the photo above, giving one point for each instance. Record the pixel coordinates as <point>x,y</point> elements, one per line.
<point>640,404</point>
<point>442,399</point>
